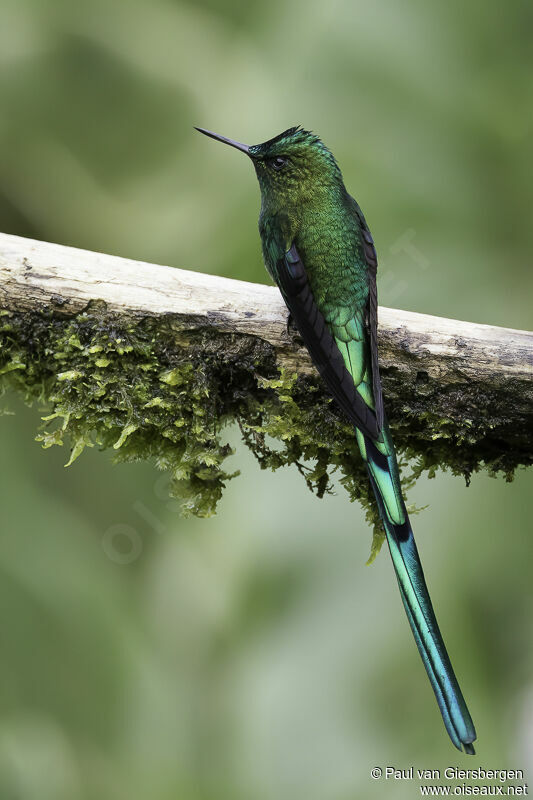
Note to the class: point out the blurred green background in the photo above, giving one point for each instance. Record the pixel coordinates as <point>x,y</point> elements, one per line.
<point>254,655</point>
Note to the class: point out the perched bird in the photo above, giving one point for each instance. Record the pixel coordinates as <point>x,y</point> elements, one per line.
<point>318,248</point>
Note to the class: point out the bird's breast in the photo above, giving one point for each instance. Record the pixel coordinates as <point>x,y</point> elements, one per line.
<point>334,261</point>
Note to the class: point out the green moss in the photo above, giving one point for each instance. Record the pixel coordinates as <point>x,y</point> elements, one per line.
<point>145,389</point>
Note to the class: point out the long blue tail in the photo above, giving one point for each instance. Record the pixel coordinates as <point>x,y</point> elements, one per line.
<point>384,477</point>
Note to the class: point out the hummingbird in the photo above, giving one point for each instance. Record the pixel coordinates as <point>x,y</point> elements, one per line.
<point>319,250</point>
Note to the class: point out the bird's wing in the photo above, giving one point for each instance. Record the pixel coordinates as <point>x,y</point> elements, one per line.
<point>338,346</point>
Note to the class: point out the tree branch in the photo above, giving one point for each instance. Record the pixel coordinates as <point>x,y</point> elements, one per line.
<point>34,274</point>
<point>457,393</point>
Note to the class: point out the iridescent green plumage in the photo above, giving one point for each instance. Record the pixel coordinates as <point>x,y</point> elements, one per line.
<point>317,247</point>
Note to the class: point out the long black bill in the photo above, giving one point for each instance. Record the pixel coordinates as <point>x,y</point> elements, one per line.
<point>232,143</point>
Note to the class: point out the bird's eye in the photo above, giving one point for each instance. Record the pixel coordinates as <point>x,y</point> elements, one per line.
<point>277,163</point>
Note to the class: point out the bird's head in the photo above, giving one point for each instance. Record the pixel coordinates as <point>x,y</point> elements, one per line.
<point>293,167</point>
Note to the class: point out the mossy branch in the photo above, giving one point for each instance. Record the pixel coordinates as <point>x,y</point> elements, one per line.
<point>154,362</point>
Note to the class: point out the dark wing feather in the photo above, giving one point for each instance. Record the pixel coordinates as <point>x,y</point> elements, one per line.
<point>326,356</point>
